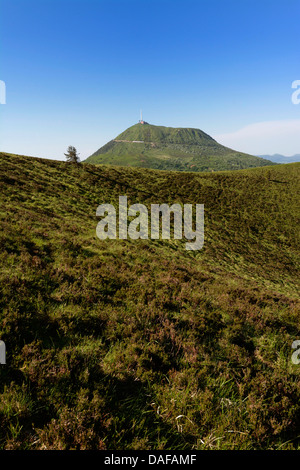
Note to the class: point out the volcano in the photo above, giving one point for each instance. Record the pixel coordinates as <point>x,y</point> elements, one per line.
<point>168,148</point>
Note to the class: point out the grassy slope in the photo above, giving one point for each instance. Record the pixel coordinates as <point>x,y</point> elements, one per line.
<point>142,344</point>
<point>168,148</point>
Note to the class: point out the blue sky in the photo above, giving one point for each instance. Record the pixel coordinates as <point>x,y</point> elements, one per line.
<point>77,72</point>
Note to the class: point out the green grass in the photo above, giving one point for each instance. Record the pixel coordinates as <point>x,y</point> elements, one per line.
<point>141,344</point>
<point>167,148</point>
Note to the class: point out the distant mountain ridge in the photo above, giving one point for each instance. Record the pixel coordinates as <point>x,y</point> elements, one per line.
<point>277,158</point>
<point>168,148</point>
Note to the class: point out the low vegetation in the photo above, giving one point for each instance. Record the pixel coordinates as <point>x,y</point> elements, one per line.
<point>168,148</point>
<point>140,344</point>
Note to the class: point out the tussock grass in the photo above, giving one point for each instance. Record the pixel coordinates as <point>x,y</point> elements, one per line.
<point>142,344</point>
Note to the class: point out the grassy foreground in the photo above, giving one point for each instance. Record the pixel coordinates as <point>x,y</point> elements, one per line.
<point>141,344</point>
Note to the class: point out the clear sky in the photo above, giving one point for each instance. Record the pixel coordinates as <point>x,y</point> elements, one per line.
<point>77,72</point>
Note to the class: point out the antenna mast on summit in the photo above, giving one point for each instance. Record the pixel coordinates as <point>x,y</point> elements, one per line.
<point>141,120</point>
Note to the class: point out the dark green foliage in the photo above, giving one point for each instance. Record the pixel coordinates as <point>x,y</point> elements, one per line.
<point>141,344</point>
<point>72,155</point>
<point>168,148</point>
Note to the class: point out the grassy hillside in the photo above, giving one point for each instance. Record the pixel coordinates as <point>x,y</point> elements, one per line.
<point>162,134</point>
<point>141,344</point>
<point>167,148</point>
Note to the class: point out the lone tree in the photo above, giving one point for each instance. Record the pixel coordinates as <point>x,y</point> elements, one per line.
<point>72,155</point>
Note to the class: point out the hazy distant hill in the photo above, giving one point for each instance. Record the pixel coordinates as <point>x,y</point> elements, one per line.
<point>277,158</point>
<point>168,148</point>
